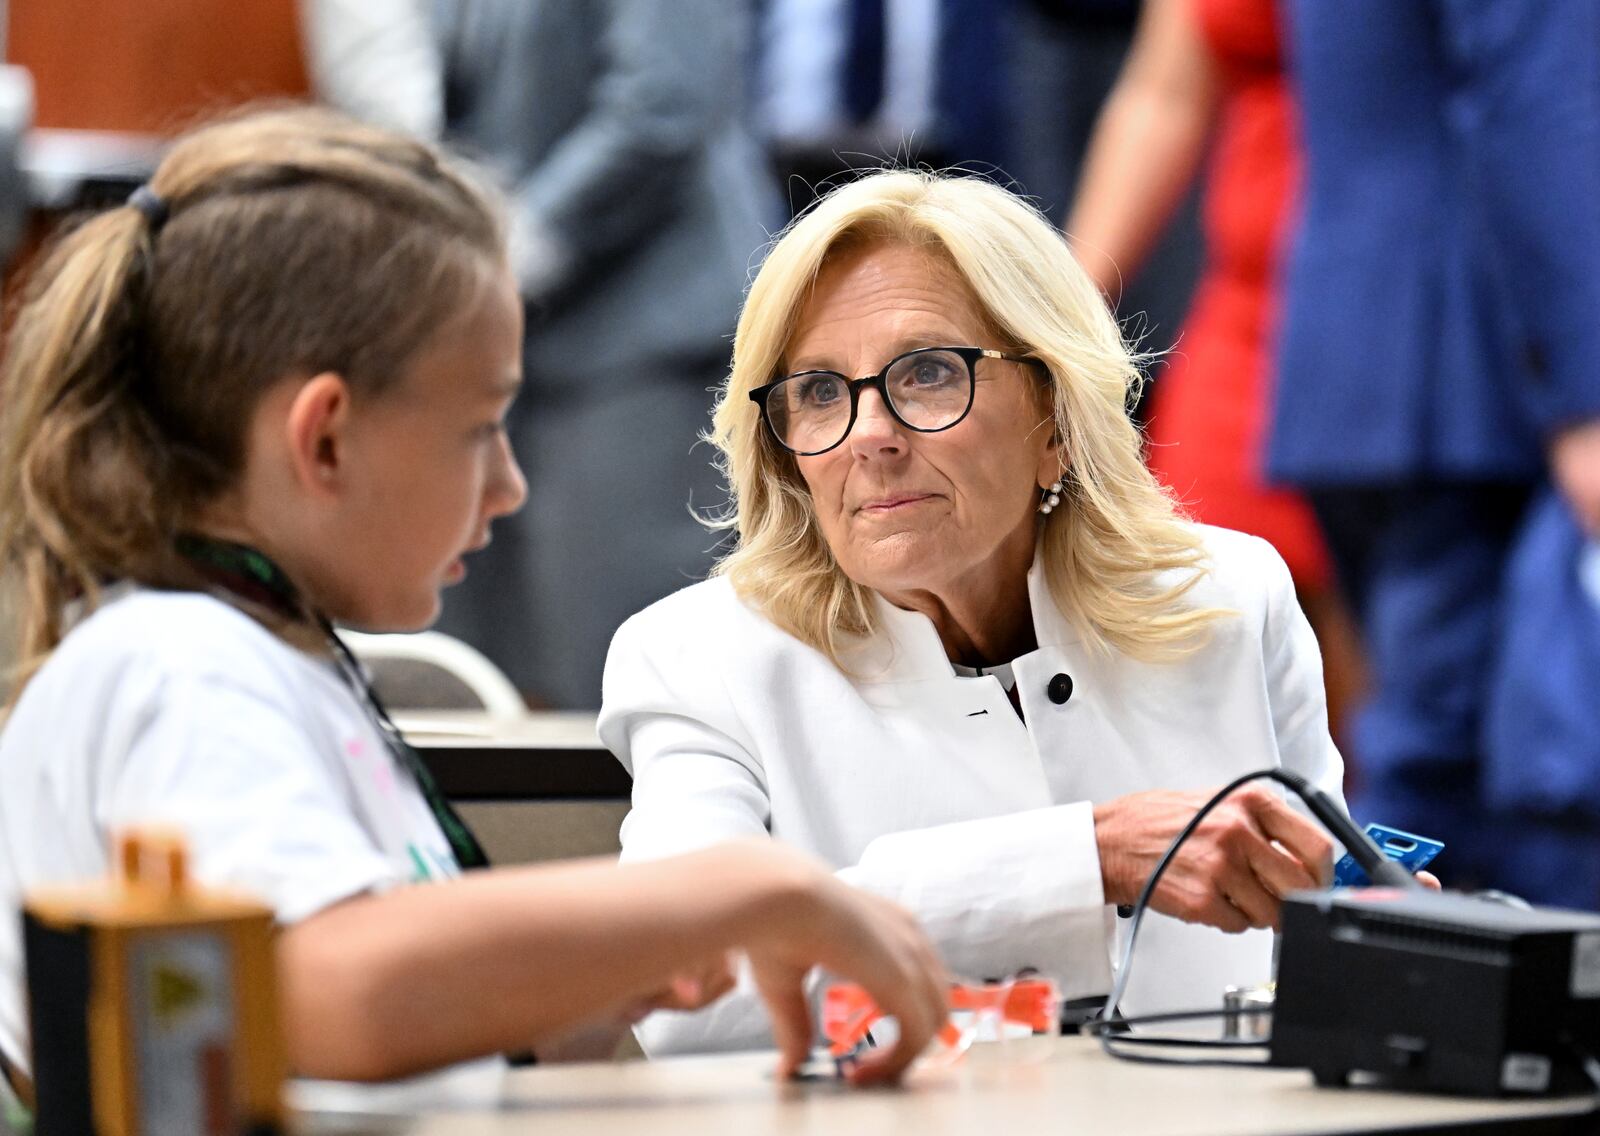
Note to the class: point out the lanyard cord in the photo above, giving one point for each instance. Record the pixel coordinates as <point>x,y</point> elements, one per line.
<point>244,573</point>
<point>468,852</point>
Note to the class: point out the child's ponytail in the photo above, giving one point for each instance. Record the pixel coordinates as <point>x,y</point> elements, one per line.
<point>271,245</point>
<point>82,467</point>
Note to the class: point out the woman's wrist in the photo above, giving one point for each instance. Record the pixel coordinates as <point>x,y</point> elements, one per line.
<point>1107,839</point>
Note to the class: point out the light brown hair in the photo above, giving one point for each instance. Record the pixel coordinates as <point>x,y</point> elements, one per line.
<point>295,241</point>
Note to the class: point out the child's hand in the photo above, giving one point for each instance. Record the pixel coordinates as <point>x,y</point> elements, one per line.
<point>598,1040</point>
<point>692,990</point>
<point>595,1040</point>
<point>820,921</point>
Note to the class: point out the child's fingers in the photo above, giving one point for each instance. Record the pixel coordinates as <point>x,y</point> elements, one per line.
<point>884,1066</point>
<point>783,989</point>
<point>720,979</point>
<point>693,990</point>
<point>919,1017</point>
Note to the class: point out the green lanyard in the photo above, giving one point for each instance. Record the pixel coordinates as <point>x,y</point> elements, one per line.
<point>247,574</point>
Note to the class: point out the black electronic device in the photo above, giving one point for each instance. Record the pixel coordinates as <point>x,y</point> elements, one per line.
<point>1437,991</point>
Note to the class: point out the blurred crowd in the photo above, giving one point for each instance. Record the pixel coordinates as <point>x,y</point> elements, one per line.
<point>1359,242</point>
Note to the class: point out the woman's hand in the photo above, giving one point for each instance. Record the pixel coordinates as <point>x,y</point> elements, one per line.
<point>815,920</point>
<point>1232,872</point>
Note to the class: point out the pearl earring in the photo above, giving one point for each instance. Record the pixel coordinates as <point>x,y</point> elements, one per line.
<point>1051,497</point>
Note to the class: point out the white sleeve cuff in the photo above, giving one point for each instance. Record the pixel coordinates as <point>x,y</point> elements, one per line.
<point>1003,893</point>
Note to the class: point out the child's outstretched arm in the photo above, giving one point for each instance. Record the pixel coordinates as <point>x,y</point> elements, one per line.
<point>387,985</point>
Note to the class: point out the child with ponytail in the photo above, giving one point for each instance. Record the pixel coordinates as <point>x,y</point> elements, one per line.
<point>265,397</point>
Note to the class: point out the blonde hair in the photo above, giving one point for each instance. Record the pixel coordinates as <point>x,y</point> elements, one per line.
<point>294,241</point>
<point>1116,531</point>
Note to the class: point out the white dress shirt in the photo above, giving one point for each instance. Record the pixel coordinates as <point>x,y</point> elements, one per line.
<point>926,787</point>
<point>800,84</point>
<point>377,60</point>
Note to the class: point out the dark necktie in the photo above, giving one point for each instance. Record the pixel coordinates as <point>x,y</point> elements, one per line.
<point>864,60</point>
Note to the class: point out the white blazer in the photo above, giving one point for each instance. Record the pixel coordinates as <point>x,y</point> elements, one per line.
<point>926,787</point>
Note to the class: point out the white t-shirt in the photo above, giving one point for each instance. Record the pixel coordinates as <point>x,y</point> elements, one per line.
<point>174,707</point>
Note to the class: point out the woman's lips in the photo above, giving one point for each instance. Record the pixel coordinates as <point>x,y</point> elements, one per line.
<point>894,502</point>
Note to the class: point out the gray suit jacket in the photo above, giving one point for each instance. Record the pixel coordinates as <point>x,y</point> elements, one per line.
<point>619,126</point>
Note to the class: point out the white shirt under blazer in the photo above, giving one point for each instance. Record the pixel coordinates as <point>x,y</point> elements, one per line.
<point>926,787</point>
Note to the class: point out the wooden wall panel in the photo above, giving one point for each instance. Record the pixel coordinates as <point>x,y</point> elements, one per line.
<point>153,65</point>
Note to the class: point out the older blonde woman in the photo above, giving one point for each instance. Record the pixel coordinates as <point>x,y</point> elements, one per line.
<point>966,651</point>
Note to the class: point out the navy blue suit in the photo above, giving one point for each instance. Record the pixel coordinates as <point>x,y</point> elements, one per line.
<point>1543,718</point>
<point>1444,285</point>
<point>1442,320</point>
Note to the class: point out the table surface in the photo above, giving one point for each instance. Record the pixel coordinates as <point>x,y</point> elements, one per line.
<point>546,729</point>
<point>1011,1088</point>
<point>1008,1089</point>
<point>549,756</point>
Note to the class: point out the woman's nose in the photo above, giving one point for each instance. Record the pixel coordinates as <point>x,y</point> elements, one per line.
<point>876,430</point>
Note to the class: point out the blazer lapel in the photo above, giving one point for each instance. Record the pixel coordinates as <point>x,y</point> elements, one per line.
<point>904,674</point>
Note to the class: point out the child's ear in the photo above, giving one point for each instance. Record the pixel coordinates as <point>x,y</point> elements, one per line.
<point>319,417</point>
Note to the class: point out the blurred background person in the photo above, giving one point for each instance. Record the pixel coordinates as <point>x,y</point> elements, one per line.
<point>1205,78</point>
<point>1005,88</point>
<point>640,205</point>
<point>845,85</point>
<point>1441,358</point>
<point>640,202</point>
<point>380,60</point>
<point>1542,730</point>
<point>1064,58</point>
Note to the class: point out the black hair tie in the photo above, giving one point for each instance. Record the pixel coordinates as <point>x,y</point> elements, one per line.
<point>151,204</point>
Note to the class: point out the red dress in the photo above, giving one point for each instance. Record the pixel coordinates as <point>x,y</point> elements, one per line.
<point>1209,407</point>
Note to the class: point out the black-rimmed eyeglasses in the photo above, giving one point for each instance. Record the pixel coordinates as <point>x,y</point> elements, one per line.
<point>927,390</point>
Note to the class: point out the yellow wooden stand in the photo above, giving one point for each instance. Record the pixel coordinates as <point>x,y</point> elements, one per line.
<point>153,1003</point>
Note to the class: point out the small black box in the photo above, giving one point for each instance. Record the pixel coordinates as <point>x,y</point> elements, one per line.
<point>1437,992</point>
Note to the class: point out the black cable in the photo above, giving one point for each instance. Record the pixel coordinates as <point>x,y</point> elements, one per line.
<point>1111,1040</point>
<point>1381,871</point>
<point>1142,904</point>
<point>1207,1062</point>
<point>1113,1026</point>
<point>1379,868</point>
<point>1586,1060</point>
<point>1191,1042</point>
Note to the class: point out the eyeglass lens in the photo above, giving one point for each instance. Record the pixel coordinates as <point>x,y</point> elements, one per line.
<point>927,390</point>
